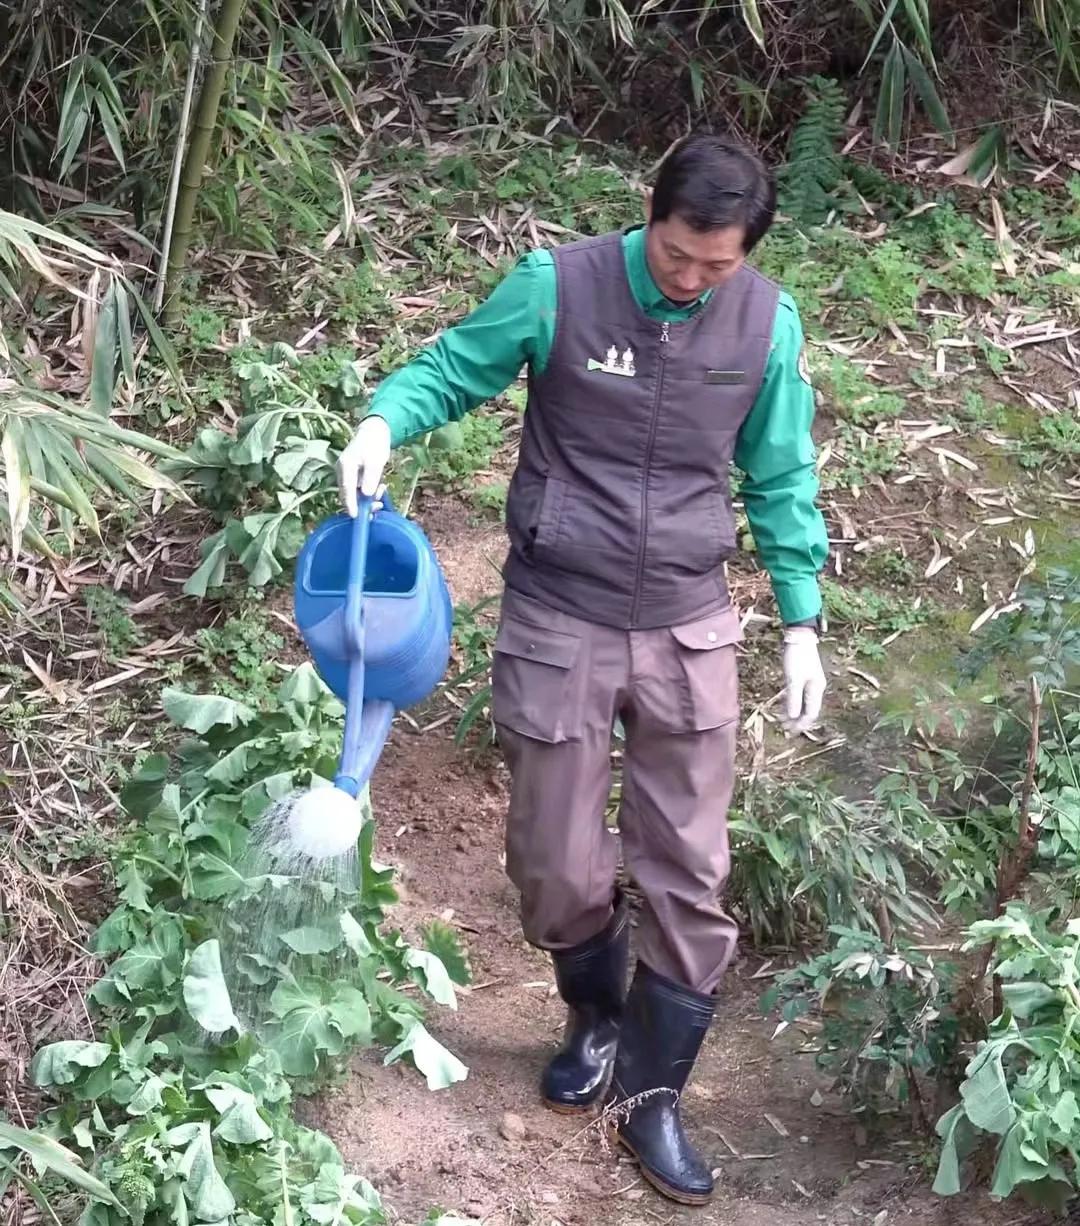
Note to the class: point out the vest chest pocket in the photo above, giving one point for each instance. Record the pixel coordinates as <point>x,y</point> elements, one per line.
<point>536,683</point>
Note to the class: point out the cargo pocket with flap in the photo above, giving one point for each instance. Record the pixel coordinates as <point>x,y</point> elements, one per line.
<point>706,671</point>
<point>535,682</point>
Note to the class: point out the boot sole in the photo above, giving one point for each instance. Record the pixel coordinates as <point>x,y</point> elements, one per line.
<point>582,1108</point>
<point>694,1199</point>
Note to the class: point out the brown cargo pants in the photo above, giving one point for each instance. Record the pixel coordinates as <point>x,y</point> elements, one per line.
<point>558,685</point>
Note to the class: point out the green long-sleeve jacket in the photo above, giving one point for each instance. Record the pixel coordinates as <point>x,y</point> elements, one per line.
<point>480,357</point>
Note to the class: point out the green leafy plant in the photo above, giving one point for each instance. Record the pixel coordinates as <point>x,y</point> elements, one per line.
<point>804,858</point>
<point>886,1013</point>
<point>1022,1085</point>
<point>108,612</point>
<point>862,610</point>
<point>240,655</point>
<point>277,468</point>
<point>475,628</point>
<point>205,1015</point>
<point>810,178</point>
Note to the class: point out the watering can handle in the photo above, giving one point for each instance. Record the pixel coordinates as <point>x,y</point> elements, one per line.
<point>354,591</point>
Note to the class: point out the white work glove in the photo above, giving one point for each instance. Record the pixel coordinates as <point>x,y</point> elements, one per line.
<point>360,465</point>
<point>804,677</point>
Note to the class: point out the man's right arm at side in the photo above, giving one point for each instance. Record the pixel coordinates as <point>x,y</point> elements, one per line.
<point>471,362</point>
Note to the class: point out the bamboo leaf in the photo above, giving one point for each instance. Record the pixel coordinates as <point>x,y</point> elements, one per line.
<point>111,128</point>
<point>81,504</point>
<point>886,23</point>
<point>928,94</point>
<point>107,88</point>
<point>751,15</point>
<point>160,341</point>
<point>17,480</point>
<point>103,370</point>
<point>889,122</point>
<point>147,476</point>
<point>54,1157</point>
<point>71,148</point>
<point>124,333</point>
<point>920,24</point>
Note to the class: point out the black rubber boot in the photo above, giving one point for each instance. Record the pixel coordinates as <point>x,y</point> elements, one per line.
<point>591,978</point>
<point>662,1031</point>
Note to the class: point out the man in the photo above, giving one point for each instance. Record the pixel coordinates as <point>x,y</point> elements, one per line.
<point>655,357</point>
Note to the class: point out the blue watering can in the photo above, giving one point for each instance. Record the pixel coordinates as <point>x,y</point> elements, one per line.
<point>373,608</point>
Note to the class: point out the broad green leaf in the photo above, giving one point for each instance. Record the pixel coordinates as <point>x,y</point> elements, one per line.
<point>240,1120</point>
<point>444,942</point>
<point>201,712</point>
<point>1065,1113</point>
<point>51,1155</point>
<point>134,888</point>
<point>234,765</point>
<point>259,436</point>
<point>211,571</point>
<point>214,877</point>
<point>432,976</point>
<point>304,1034</point>
<point>206,994</point>
<point>303,686</point>
<point>1013,1167</point>
<point>987,1101</point>
<point>147,1096</point>
<point>350,1013</point>
<point>313,940</point>
<point>1026,998</point>
<point>206,1191</point>
<point>142,792</point>
<point>440,1067</point>
<point>60,1064</point>
<point>355,936</point>
<point>947,1182</point>
<point>154,960</point>
<point>255,968</point>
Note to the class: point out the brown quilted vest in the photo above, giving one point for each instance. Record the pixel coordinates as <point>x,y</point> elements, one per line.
<point>619,511</point>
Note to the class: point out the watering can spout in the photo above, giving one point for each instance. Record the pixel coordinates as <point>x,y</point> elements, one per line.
<point>362,750</point>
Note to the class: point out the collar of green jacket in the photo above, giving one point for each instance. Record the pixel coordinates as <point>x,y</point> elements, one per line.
<point>644,288</point>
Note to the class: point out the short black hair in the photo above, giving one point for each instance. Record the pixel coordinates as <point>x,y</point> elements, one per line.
<point>711,183</point>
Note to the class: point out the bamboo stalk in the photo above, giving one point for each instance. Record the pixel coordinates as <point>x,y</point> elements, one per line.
<point>178,154</point>
<point>228,21</point>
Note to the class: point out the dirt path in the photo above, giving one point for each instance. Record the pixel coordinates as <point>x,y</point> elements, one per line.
<point>440,815</point>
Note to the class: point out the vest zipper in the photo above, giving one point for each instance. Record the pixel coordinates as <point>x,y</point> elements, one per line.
<point>665,337</point>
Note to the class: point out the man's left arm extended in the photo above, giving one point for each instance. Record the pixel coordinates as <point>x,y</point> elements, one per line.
<point>775,450</point>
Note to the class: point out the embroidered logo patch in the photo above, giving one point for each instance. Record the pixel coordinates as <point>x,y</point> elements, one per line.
<point>614,365</point>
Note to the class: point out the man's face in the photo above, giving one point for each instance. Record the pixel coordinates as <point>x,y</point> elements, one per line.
<point>685,262</point>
